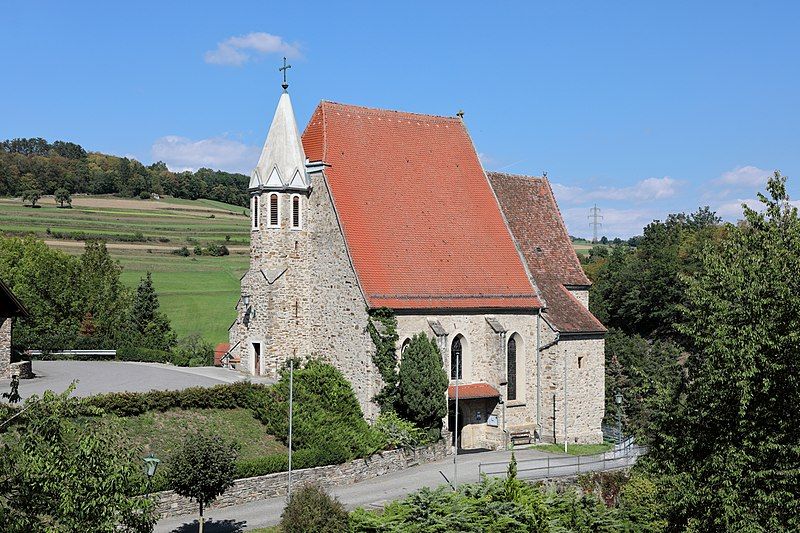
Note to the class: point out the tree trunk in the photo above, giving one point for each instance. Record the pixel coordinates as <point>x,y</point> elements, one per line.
<point>200,530</point>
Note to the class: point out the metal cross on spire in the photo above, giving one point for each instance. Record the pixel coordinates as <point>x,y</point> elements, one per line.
<point>283,69</point>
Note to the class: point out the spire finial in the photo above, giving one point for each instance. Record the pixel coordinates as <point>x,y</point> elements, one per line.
<point>460,114</point>
<point>283,69</point>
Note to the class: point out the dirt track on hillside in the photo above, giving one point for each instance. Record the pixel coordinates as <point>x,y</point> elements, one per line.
<point>156,248</point>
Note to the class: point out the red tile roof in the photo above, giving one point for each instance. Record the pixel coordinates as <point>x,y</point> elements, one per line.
<point>421,223</point>
<point>472,391</point>
<point>535,221</point>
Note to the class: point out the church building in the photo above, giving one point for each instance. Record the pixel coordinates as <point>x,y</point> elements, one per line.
<point>370,208</point>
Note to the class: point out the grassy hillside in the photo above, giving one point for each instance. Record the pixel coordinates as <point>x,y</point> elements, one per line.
<point>197,293</point>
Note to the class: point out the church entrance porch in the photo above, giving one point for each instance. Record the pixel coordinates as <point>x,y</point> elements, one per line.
<point>477,425</point>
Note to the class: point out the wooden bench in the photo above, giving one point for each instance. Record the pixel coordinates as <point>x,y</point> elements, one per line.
<point>520,437</point>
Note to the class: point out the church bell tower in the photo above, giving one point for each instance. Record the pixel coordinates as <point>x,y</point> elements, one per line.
<point>270,321</point>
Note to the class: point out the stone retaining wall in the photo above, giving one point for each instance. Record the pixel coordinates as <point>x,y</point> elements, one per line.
<point>270,486</point>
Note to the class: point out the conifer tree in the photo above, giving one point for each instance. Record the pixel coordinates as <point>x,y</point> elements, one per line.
<point>147,320</point>
<point>423,383</point>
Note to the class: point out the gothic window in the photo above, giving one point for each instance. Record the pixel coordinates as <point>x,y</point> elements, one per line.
<point>274,219</point>
<point>456,359</point>
<point>511,368</point>
<point>254,211</point>
<point>296,211</point>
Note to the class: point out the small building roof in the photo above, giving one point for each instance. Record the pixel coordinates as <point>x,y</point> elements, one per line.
<point>535,221</point>
<point>10,306</point>
<point>421,222</point>
<point>472,391</point>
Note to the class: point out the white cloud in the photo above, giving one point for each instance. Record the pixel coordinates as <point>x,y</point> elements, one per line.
<point>646,190</point>
<point>181,153</point>
<point>746,176</point>
<point>237,50</point>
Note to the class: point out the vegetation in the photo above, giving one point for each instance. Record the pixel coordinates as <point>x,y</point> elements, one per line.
<point>311,509</point>
<point>385,357</point>
<point>202,469</point>
<point>27,164</point>
<point>62,477</point>
<point>63,196</point>
<point>724,437</point>
<point>327,415</point>
<point>509,504</point>
<point>423,384</point>
<point>576,449</point>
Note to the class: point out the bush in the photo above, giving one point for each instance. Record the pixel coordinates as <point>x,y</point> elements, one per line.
<point>144,195</point>
<point>193,351</point>
<point>146,355</point>
<point>327,415</point>
<point>311,509</point>
<point>397,432</point>
<point>183,251</point>
<point>228,396</point>
<point>217,250</point>
<point>261,466</point>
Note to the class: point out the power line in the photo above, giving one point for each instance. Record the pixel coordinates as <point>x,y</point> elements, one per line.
<point>594,221</point>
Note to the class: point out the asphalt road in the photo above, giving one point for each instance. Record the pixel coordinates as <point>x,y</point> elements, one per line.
<point>96,377</point>
<point>377,492</point>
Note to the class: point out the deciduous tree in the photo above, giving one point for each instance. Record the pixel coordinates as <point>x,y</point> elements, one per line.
<point>203,468</point>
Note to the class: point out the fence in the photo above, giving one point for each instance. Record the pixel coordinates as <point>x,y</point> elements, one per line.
<point>570,465</point>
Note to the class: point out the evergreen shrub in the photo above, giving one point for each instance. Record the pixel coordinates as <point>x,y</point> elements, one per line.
<point>311,509</point>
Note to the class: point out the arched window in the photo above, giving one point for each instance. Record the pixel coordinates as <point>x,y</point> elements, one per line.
<point>296,211</point>
<point>254,211</point>
<point>511,368</point>
<point>404,346</point>
<point>274,218</point>
<point>456,359</point>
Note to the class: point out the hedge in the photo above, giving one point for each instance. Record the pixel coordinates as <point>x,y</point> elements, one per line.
<point>228,396</point>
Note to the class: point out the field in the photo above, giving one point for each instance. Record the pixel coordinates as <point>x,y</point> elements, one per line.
<point>198,293</point>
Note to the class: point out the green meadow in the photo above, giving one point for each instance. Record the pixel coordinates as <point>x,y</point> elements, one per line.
<point>198,293</point>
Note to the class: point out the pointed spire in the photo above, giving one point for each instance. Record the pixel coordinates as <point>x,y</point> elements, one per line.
<point>282,164</point>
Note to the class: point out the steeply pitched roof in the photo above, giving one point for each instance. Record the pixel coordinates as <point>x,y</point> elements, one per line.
<point>421,222</point>
<point>10,304</point>
<point>535,221</point>
<point>282,161</point>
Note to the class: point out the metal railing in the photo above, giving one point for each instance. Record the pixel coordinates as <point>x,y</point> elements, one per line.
<point>568,465</point>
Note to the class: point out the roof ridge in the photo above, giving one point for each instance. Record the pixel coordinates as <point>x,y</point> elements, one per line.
<point>380,110</point>
<point>522,176</point>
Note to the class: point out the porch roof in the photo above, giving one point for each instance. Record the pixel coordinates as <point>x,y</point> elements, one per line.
<point>472,391</point>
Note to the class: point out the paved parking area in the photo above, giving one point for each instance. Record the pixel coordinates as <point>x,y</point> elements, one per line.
<point>97,377</point>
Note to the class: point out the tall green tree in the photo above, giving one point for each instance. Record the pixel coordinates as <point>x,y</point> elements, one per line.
<point>102,293</point>
<point>152,325</point>
<point>423,383</point>
<point>203,468</point>
<point>729,436</point>
<point>58,475</point>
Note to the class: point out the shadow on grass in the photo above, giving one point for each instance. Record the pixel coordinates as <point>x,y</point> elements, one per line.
<point>212,526</point>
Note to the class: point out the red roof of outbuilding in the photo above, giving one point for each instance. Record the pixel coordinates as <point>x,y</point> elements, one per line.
<point>530,208</point>
<point>421,222</point>
<point>471,391</point>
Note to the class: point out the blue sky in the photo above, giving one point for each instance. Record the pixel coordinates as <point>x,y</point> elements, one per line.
<point>645,108</point>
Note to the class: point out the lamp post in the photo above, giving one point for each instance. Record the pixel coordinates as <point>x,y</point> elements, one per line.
<point>151,465</point>
<point>618,401</point>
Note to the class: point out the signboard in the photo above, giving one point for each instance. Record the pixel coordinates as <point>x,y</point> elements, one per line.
<point>492,421</point>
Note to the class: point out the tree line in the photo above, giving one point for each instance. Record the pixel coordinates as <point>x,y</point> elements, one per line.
<point>703,344</point>
<point>34,165</point>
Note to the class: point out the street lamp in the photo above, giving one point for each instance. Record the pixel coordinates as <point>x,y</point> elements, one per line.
<point>618,400</point>
<point>151,464</point>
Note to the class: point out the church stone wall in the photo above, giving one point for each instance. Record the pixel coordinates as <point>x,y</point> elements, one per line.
<point>305,296</point>
<point>484,360</point>
<point>5,346</point>
<point>585,389</point>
